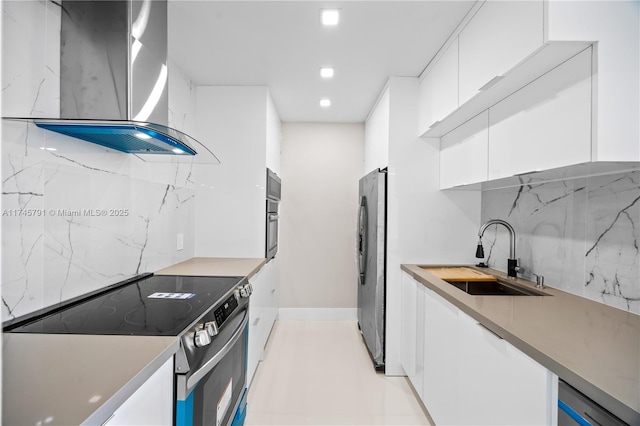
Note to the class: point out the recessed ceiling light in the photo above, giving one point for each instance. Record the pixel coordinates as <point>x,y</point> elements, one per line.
<point>326,72</point>
<point>330,16</point>
<point>325,103</point>
<point>48,148</point>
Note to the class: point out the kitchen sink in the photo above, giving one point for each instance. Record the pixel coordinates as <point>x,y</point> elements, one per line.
<point>494,288</point>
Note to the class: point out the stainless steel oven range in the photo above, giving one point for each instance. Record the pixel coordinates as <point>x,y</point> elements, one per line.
<point>274,194</point>
<point>210,316</point>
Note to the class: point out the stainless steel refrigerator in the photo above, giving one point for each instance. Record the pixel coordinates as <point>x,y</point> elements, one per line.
<point>372,220</point>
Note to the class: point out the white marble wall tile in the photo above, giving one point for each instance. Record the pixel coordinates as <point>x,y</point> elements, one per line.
<point>22,236</point>
<point>24,58</point>
<point>68,251</point>
<point>51,86</point>
<point>60,251</point>
<point>581,234</point>
<point>612,273</point>
<point>549,224</point>
<point>182,100</point>
<point>86,252</point>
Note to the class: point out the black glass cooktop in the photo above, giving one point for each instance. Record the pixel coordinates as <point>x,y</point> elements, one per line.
<point>156,305</point>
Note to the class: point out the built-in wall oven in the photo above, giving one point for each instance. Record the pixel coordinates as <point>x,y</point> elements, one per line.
<point>274,193</point>
<point>209,314</point>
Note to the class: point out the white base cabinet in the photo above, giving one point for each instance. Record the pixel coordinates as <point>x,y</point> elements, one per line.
<point>151,404</point>
<point>497,383</point>
<point>263,311</point>
<point>442,357</point>
<point>470,375</point>
<point>412,332</point>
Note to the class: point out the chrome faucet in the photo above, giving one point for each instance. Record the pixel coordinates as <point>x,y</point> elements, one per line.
<point>512,262</point>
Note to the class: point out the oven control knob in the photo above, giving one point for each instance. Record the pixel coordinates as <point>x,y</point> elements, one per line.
<point>246,290</point>
<point>202,338</point>
<point>211,327</point>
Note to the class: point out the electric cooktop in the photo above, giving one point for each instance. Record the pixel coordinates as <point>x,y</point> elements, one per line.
<point>158,305</point>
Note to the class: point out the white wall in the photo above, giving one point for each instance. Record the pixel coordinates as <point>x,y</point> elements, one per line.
<point>321,167</point>
<point>230,197</point>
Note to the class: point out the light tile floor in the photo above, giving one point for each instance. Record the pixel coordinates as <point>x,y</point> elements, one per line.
<point>320,373</point>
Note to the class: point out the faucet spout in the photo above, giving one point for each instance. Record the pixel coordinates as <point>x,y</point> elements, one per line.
<point>512,262</point>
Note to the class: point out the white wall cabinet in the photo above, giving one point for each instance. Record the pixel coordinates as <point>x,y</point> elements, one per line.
<point>500,35</point>
<point>615,25</point>
<point>263,309</point>
<point>546,124</point>
<point>240,124</point>
<point>439,90</point>
<point>533,114</point>
<point>469,374</point>
<point>151,404</point>
<point>464,153</point>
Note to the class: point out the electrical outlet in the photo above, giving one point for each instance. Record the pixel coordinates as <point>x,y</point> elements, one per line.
<point>180,242</point>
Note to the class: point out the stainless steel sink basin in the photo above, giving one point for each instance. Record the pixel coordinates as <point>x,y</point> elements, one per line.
<point>494,288</point>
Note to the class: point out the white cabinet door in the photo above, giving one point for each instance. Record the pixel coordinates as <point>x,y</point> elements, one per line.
<point>500,35</point>
<point>546,124</point>
<point>442,358</point>
<point>438,95</point>
<point>615,25</point>
<point>464,153</point>
<point>271,297</point>
<point>257,313</point>
<point>151,404</point>
<point>498,384</point>
<point>412,334</point>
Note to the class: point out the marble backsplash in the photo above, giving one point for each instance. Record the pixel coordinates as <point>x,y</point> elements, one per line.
<point>76,216</point>
<point>582,235</point>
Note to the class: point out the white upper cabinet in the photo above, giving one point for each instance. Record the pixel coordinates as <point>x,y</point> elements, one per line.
<point>501,35</point>
<point>546,124</point>
<point>561,82</point>
<point>463,153</point>
<point>376,135</point>
<point>439,90</point>
<point>615,26</point>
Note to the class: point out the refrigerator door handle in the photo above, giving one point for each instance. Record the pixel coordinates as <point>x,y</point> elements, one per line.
<point>362,238</point>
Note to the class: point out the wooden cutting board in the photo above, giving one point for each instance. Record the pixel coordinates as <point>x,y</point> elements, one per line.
<point>460,273</point>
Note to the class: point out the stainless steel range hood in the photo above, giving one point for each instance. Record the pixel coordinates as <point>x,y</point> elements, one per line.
<point>114,77</point>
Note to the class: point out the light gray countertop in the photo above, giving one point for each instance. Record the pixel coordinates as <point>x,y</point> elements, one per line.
<point>592,346</point>
<point>215,266</point>
<point>69,379</point>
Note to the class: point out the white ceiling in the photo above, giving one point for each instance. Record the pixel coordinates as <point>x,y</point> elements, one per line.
<point>282,45</point>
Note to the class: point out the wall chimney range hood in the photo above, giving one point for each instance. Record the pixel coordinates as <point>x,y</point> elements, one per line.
<point>114,77</point>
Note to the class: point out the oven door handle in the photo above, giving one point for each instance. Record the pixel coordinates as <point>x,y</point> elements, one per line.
<point>209,365</point>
